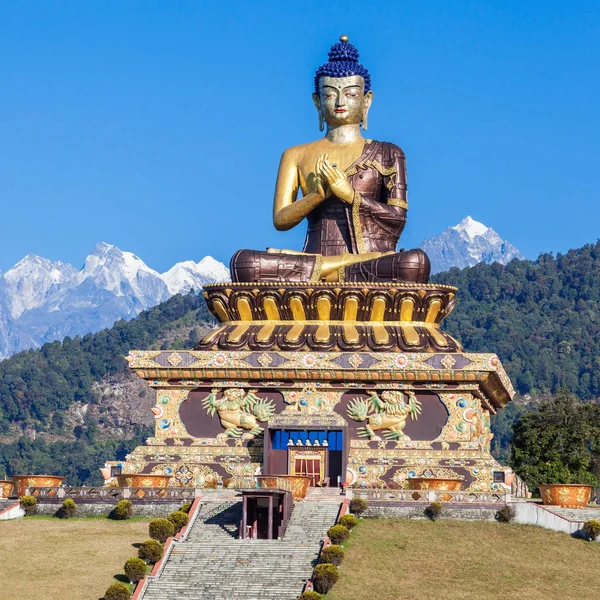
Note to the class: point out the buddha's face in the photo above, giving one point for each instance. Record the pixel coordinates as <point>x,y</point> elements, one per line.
<point>342,100</point>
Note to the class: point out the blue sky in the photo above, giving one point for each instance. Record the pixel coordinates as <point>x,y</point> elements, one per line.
<point>158,125</point>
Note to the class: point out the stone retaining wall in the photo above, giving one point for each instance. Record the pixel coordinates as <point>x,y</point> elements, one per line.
<point>103,509</point>
<point>464,513</point>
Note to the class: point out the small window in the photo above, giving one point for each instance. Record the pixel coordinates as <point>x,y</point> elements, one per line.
<point>498,476</point>
<point>114,471</point>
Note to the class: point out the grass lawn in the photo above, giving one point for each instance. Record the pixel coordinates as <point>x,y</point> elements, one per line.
<point>70,559</point>
<point>388,559</point>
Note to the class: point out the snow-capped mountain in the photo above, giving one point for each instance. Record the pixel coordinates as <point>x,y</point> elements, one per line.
<point>188,275</point>
<point>42,300</point>
<point>123,274</point>
<point>466,244</point>
<point>32,280</point>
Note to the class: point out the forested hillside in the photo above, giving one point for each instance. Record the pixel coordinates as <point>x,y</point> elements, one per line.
<point>541,318</point>
<point>61,405</point>
<point>38,386</point>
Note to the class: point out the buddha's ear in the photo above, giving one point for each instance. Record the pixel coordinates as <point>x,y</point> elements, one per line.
<point>317,102</point>
<point>366,106</point>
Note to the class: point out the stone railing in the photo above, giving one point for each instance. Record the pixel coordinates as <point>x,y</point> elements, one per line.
<point>108,494</point>
<point>413,496</point>
<point>519,488</point>
<point>263,482</point>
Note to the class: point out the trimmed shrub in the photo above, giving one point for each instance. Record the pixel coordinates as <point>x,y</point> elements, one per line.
<point>151,551</point>
<point>434,510</point>
<point>135,569</point>
<point>179,520</point>
<point>161,529</point>
<point>122,510</point>
<point>338,534</point>
<point>67,510</point>
<point>324,577</point>
<point>332,555</point>
<point>310,596</point>
<point>117,591</point>
<point>348,521</point>
<point>186,507</point>
<point>591,529</point>
<point>29,505</point>
<point>357,506</point>
<point>506,514</point>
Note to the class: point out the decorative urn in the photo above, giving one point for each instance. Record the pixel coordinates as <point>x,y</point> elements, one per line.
<point>6,488</point>
<point>567,495</point>
<point>22,482</point>
<point>435,483</point>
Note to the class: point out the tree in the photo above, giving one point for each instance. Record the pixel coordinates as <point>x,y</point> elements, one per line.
<point>558,442</point>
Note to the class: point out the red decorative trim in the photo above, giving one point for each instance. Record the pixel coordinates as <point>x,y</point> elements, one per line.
<point>9,508</point>
<point>139,589</point>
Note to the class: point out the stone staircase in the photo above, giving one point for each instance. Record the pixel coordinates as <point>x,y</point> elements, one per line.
<point>5,503</point>
<point>324,494</point>
<point>578,515</point>
<point>213,564</point>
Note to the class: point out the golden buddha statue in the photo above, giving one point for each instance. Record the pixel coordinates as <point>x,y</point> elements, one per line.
<point>353,194</point>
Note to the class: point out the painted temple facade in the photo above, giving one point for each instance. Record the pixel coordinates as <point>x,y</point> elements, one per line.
<point>363,417</point>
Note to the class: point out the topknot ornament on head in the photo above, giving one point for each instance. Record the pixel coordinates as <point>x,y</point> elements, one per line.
<point>343,62</point>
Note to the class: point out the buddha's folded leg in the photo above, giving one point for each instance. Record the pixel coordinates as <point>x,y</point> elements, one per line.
<point>253,265</point>
<point>411,266</point>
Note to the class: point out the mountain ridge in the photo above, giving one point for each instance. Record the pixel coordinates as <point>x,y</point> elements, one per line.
<point>43,300</point>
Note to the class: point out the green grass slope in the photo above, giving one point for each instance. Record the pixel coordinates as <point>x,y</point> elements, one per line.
<point>389,559</point>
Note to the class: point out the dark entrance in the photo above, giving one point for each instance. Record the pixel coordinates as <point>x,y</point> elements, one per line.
<point>265,513</point>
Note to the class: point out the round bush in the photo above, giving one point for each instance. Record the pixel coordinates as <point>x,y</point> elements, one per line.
<point>434,510</point>
<point>151,551</point>
<point>29,505</point>
<point>324,577</point>
<point>332,555</point>
<point>135,569</point>
<point>591,529</point>
<point>161,529</point>
<point>348,521</point>
<point>123,510</point>
<point>506,514</point>
<point>179,520</point>
<point>186,507</point>
<point>357,506</point>
<point>338,534</point>
<point>310,596</point>
<point>117,591</point>
<point>67,510</point>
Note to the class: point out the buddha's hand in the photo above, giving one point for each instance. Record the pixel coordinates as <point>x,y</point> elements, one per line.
<point>322,188</point>
<point>338,182</point>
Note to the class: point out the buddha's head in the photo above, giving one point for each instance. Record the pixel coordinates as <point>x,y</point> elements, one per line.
<point>343,93</point>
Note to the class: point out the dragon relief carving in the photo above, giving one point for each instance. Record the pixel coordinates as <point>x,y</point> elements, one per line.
<point>239,410</point>
<point>388,413</point>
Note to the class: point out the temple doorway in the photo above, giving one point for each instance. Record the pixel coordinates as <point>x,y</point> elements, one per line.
<point>315,452</point>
